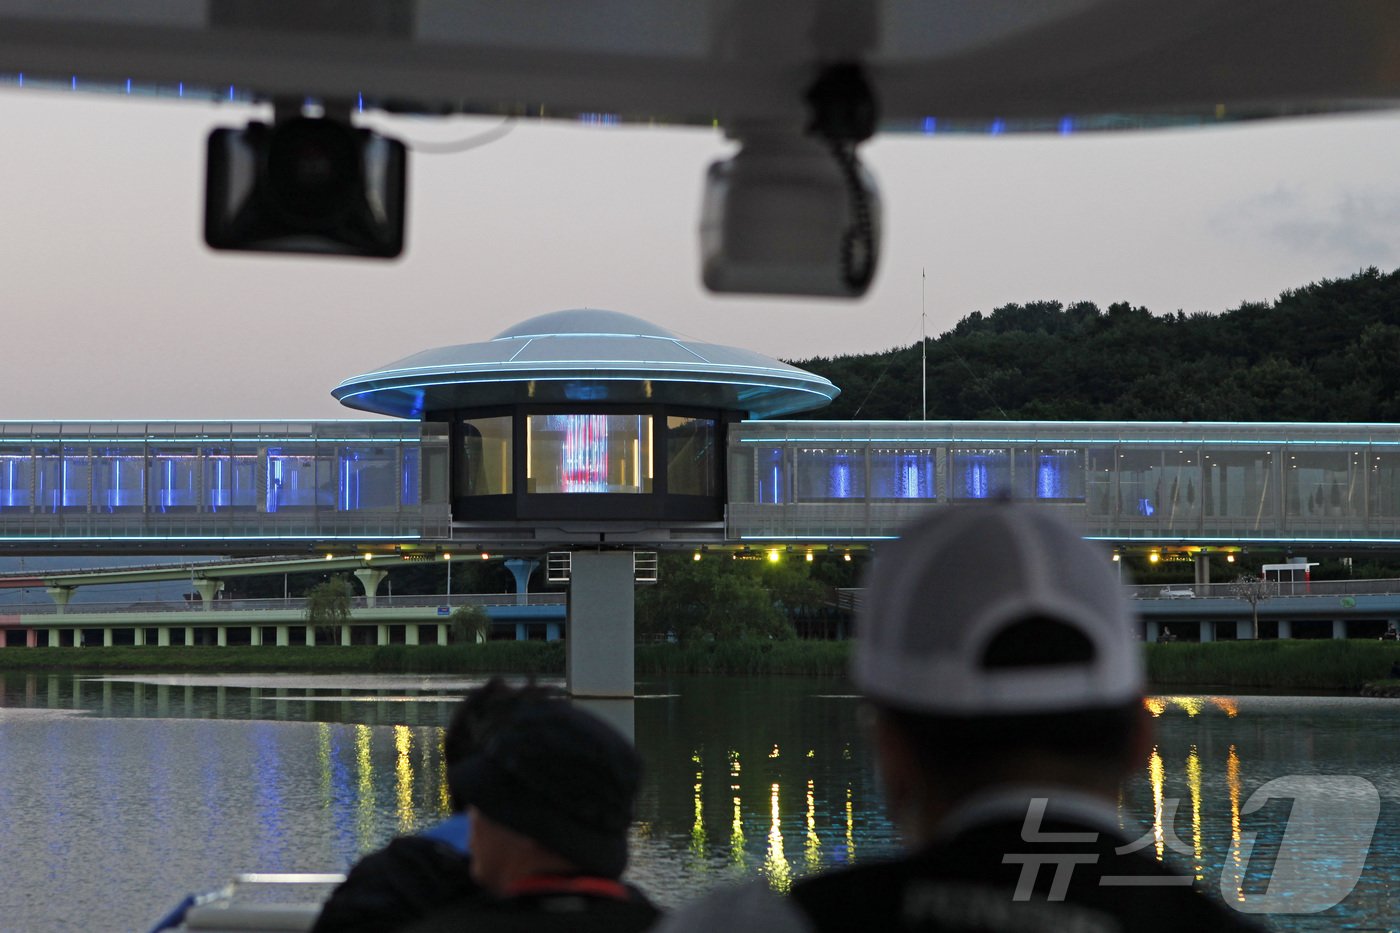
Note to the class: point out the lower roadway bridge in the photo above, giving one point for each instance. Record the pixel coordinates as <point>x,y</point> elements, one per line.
<point>413,620</point>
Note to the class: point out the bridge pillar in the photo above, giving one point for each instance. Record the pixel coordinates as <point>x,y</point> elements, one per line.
<point>522,632</point>
<point>284,636</point>
<point>1152,632</point>
<point>208,590</point>
<point>189,636</point>
<point>1244,629</point>
<point>60,596</point>
<point>600,648</point>
<point>77,638</point>
<point>441,634</point>
<point>1339,628</point>
<point>31,638</point>
<point>163,637</point>
<point>410,633</point>
<point>311,636</point>
<point>1285,628</point>
<point>520,568</point>
<point>370,579</point>
<point>255,636</point>
<point>222,636</point>
<point>1202,568</point>
<point>106,638</point>
<point>345,636</point>
<point>381,634</point>
<point>138,637</point>
<point>552,631</point>
<point>1207,631</point>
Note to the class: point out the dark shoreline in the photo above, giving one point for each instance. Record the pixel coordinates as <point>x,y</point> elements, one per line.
<point>1297,667</point>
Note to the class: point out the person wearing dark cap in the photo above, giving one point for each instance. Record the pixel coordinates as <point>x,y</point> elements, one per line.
<point>415,875</point>
<point>997,653</point>
<point>550,798</point>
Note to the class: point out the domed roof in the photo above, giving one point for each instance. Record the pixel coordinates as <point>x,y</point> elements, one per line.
<point>586,355</point>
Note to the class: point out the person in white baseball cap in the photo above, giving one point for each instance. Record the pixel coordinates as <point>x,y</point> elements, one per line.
<point>1002,665</point>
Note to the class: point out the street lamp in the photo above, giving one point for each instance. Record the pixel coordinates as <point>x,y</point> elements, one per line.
<point>448,558</point>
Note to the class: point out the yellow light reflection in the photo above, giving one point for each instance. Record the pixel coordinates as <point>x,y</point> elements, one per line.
<point>1192,705</point>
<point>364,772</point>
<point>1226,705</point>
<point>1157,774</point>
<point>775,866</point>
<point>1154,705</point>
<point>1193,781</point>
<point>697,829</point>
<point>850,826</point>
<point>813,847</point>
<point>774,752</point>
<point>403,777</point>
<point>1232,778</point>
<point>736,832</point>
<point>444,797</point>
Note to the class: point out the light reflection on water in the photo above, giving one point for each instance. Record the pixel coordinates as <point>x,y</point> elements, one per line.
<point>176,784</point>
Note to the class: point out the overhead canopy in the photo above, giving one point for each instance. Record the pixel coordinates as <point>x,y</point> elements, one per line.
<point>1108,62</point>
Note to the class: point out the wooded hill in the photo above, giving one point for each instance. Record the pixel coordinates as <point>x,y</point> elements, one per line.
<point>1326,352</point>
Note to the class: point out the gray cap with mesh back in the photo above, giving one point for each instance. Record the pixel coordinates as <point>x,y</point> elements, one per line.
<point>961,580</point>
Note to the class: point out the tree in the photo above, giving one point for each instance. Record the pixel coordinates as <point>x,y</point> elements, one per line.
<point>715,598</point>
<point>469,625</point>
<point>328,604</point>
<point>1253,590</point>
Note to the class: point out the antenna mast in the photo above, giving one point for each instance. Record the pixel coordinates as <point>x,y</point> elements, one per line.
<point>923,338</point>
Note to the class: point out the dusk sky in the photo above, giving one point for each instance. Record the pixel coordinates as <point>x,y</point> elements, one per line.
<point>114,308</point>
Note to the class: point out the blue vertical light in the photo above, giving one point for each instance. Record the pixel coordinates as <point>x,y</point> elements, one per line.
<point>114,495</point>
<point>1049,478</point>
<point>975,479</point>
<point>128,85</point>
<point>930,125</point>
<point>1066,125</point>
<point>168,494</point>
<point>998,127</point>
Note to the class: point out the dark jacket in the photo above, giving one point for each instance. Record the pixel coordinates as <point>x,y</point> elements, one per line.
<point>405,881</point>
<point>581,904</point>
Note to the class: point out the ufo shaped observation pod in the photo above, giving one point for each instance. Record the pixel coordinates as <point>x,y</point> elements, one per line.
<point>586,356</point>
<point>587,418</point>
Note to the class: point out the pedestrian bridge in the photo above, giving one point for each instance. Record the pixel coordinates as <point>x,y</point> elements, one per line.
<point>288,487</point>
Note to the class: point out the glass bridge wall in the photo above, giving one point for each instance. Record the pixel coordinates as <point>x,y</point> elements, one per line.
<point>1154,481</point>
<point>121,480</point>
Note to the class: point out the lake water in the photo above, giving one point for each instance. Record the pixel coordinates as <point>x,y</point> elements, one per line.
<point>120,796</point>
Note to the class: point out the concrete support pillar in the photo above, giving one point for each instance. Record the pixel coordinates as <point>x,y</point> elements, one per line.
<point>1244,629</point>
<point>1285,628</point>
<point>163,637</point>
<point>1207,631</point>
<point>381,634</point>
<point>31,638</point>
<point>522,632</point>
<point>600,648</point>
<point>345,636</point>
<point>189,635</point>
<point>520,568</point>
<point>410,633</point>
<point>284,636</point>
<point>208,590</point>
<point>138,637</point>
<point>222,635</point>
<point>60,596</point>
<point>255,636</point>
<point>1202,568</point>
<point>107,638</point>
<point>77,638</point>
<point>311,636</point>
<point>1339,628</point>
<point>370,580</point>
<point>441,634</point>
<point>553,631</point>
<point>1151,632</point>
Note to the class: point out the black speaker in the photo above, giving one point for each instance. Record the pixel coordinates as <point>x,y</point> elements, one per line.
<point>306,185</point>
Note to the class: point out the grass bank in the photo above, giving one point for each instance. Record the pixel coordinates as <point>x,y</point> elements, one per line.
<point>1324,665</point>
<point>1344,666</point>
